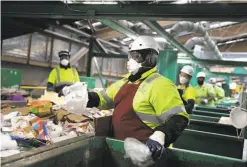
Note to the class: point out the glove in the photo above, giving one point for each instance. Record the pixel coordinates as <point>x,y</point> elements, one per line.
<point>155,144</point>
<point>215,98</point>
<point>204,101</point>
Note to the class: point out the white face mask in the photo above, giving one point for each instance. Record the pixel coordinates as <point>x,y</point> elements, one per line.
<point>183,80</point>
<point>133,66</point>
<point>65,62</point>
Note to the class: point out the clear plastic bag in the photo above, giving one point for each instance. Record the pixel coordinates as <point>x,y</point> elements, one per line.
<point>138,152</point>
<point>76,98</point>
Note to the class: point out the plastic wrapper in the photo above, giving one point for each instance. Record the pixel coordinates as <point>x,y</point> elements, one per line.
<point>39,126</point>
<point>138,152</point>
<point>40,108</point>
<point>84,127</point>
<point>54,130</point>
<point>76,98</point>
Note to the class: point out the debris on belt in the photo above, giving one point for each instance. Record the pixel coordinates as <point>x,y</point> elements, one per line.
<point>42,122</point>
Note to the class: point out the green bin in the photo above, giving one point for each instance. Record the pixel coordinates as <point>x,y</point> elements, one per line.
<point>10,77</point>
<point>101,152</point>
<point>212,127</point>
<point>209,113</point>
<point>89,80</point>
<point>213,109</point>
<point>204,118</point>
<point>211,143</point>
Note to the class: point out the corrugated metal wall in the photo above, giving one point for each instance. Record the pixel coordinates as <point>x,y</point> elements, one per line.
<point>41,50</point>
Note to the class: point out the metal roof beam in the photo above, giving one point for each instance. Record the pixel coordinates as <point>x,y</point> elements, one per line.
<point>50,33</point>
<point>131,11</point>
<point>216,62</point>
<point>116,26</point>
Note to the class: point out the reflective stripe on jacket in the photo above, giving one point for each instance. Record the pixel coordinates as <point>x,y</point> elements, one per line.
<point>155,101</point>
<point>60,76</point>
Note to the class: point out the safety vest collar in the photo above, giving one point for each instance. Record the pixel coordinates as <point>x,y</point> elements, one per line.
<point>144,75</point>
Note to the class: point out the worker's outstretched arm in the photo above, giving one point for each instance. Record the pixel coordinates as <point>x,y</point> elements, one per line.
<point>189,106</point>
<point>104,99</point>
<point>93,100</point>
<point>50,87</point>
<point>173,128</point>
<point>170,111</point>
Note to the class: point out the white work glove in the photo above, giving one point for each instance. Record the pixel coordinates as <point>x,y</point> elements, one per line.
<point>155,144</point>
<point>204,101</point>
<point>76,98</point>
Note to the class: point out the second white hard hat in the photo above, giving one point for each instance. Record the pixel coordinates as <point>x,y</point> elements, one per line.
<point>188,70</point>
<point>144,42</point>
<point>201,74</point>
<point>219,84</point>
<point>213,80</point>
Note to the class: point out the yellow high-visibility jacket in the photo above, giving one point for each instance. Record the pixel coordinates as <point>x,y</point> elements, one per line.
<point>156,99</point>
<point>204,92</point>
<point>220,93</point>
<point>60,76</point>
<point>188,92</point>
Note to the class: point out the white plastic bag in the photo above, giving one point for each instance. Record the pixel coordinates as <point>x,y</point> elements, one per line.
<point>138,152</point>
<point>76,98</point>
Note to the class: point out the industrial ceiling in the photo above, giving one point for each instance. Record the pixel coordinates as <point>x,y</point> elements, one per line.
<point>115,24</point>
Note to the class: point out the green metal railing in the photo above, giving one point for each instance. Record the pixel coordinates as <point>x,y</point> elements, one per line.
<point>210,143</point>
<point>100,152</point>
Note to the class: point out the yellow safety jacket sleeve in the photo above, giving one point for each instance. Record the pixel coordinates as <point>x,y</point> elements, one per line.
<point>52,77</point>
<point>165,99</point>
<point>190,93</point>
<point>220,93</point>
<point>107,96</point>
<point>210,90</point>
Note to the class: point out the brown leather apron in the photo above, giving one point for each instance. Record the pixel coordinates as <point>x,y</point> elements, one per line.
<point>125,121</point>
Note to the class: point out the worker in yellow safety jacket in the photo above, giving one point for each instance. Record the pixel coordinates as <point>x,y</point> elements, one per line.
<point>187,92</point>
<point>220,93</point>
<point>205,93</point>
<point>147,106</point>
<point>63,75</point>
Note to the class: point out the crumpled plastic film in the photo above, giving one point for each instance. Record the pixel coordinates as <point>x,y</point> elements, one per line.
<point>7,143</point>
<point>138,152</point>
<point>76,98</point>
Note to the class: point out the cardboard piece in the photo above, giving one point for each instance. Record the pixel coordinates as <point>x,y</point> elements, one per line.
<point>53,97</point>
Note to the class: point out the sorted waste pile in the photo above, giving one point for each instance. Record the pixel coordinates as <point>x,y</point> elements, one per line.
<point>43,122</point>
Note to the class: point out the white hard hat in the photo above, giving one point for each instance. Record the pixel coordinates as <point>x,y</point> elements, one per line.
<point>213,80</point>
<point>144,42</point>
<point>188,70</point>
<point>201,74</point>
<point>219,84</point>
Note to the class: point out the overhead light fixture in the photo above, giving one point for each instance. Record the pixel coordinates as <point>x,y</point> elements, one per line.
<point>154,32</point>
<point>160,39</point>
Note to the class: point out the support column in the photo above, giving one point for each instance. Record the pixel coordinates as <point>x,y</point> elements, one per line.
<point>193,80</point>
<point>90,57</point>
<point>167,64</point>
